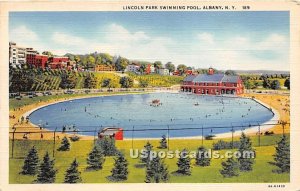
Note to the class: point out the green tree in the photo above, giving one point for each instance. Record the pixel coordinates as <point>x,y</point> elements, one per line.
<point>90,82</point>
<point>68,81</point>
<point>163,143</point>
<point>121,63</point>
<point>202,158</point>
<point>230,168</point>
<point>157,65</point>
<point>72,174</point>
<point>145,156</point>
<point>170,66</point>
<point>106,83</point>
<point>287,83</point>
<point>184,163</point>
<point>230,72</point>
<point>126,82</point>
<point>46,173</point>
<point>31,162</point>
<point>120,170</point>
<point>91,61</point>
<point>95,158</point>
<point>275,85</point>
<point>245,161</point>
<point>266,83</point>
<point>77,59</point>
<point>65,145</point>
<point>156,171</point>
<point>47,53</point>
<point>106,58</point>
<point>181,68</point>
<point>143,83</point>
<point>249,84</point>
<point>142,68</point>
<point>107,146</point>
<point>282,155</point>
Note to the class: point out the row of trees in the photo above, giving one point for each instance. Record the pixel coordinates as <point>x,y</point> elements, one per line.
<point>156,169</point>
<point>46,172</point>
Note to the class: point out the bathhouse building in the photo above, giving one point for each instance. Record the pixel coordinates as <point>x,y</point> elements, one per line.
<point>213,84</point>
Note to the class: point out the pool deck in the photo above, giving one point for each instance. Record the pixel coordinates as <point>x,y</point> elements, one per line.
<point>48,135</point>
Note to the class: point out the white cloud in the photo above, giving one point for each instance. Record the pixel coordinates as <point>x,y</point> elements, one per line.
<point>22,33</point>
<point>67,39</point>
<point>234,52</point>
<point>206,38</point>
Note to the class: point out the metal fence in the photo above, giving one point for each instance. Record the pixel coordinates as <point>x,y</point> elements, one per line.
<point>132,133</point>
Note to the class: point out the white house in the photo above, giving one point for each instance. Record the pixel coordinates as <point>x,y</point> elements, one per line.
<point>132,68</point>
<point>163,71</point>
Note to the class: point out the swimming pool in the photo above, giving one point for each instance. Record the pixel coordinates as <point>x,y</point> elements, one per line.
<point>183,114</point>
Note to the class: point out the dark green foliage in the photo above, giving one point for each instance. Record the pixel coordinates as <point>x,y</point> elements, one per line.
<point>107,145</point>
<point>266,83</point>
<point>72,174</point>
<point>275,85</point>
<point>90,82</point>
<point>202,158</point>
<point>74,138</point>
<point>126,82</point>
<point>145,156</point>
<point>95,158</point>
<point>106,83</point>
<point>65,145</point>
<point>143,83</point>
<point>163,143</point>
<point>225,145</point>
<point>46,172</point>
<point>230,72</point>
<point>282,155</point>
<point>20,80</point>
<point>31,162</point>
<point>287,83</point>
<point>230,168</point>
<point>209,137</point>
<point>68,81</point>
<point>184,163</point>
<point>120,170</point>
<point>156,171</point>
<point>245,162</point>
<point>170,66</point>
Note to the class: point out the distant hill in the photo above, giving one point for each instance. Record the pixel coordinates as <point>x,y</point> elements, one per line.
<point>260,72</point>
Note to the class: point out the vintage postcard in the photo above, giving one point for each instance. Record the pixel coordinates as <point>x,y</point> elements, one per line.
<point>150,95</point>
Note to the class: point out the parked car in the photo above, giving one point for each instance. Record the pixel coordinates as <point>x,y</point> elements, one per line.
<point>18,97</point>
<point>47,93</point>
<point>69,92</point>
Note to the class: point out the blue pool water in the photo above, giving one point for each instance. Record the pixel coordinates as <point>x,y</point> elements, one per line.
<point>177,111</point>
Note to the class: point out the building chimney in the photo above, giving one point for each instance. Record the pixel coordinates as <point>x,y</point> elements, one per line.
<point>210,71</point>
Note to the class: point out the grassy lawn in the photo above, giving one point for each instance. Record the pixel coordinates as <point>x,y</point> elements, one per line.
<point>262,170</point>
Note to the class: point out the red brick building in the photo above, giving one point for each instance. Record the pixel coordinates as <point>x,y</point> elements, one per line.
<point>58,59</point>
<point>39,61</point>
<point>213,84</point>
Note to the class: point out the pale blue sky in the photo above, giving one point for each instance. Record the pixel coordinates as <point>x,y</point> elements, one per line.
<point>224,40</point>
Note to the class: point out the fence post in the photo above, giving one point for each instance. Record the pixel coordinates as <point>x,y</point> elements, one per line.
<point>168,137</point>
<point>54,140</point>
<point>13,144</point>
<point>258,134</point>
<point>132,137</point>
<point>232,136</point>
<point>283,123</point>
<point>202,136</point>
